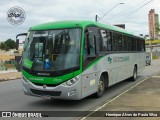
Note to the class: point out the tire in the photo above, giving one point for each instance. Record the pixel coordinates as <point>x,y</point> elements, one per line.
<point>101,87</point>
<point>134,77</point>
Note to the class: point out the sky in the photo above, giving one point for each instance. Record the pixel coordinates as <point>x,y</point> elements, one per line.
<point>133,13</point>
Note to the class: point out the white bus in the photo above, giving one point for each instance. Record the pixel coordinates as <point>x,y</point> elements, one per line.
<point>74,59</point>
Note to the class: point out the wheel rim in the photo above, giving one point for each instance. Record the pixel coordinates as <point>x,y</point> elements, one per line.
<point>101,86</point>
<point>135,74</point>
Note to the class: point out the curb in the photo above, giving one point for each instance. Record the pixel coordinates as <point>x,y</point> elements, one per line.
<point>14,78</point>
<point>10,76</point>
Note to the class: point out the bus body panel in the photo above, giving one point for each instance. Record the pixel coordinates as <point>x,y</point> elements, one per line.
<point>119,69</point>
<point>59,92</point>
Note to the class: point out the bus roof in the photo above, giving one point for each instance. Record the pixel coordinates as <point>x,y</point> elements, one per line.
<point>78,23</point>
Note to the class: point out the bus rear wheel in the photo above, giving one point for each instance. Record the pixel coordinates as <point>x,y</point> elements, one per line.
<point>134,77</point>
<point>101,87</point>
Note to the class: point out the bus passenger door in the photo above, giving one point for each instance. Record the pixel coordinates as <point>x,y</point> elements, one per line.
<point>89,75</point>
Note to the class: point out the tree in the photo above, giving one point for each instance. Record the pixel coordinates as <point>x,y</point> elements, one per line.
<point>3,46</point>
<point>10,43</point>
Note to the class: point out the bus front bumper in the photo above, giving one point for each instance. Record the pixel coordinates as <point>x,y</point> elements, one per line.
<point>61,91</point>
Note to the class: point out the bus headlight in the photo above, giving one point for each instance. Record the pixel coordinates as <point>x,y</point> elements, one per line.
<point>72,81</point>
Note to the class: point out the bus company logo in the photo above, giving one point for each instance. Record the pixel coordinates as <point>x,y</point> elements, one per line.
<point>109,60</point>
<point>120,59</point>
<point>16,15</point>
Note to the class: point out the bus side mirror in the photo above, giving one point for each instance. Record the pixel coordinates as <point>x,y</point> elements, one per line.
<point>17,44</point>
<point>17,40</point>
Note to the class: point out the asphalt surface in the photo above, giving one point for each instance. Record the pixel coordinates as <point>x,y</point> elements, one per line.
<point>140,102</point>
<point>13,99</point>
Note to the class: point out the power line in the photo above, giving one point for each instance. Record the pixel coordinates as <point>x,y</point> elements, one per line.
<point>108,11</point>
<point>102,20</point>
<point>107,22</point>
<point>134,11</point>
<point>124,12</point>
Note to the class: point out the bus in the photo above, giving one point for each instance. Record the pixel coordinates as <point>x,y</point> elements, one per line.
<point>74,59</point>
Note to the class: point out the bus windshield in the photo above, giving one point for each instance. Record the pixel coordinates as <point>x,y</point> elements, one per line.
<point>53,50</point>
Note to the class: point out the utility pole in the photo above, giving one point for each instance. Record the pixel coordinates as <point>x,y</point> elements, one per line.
<point>96,18</point>
<point>151,48</point>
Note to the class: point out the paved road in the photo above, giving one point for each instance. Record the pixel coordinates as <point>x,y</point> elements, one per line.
<point>12,97</point>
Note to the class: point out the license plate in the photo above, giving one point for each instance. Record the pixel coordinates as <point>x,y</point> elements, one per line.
<point>45,97</point>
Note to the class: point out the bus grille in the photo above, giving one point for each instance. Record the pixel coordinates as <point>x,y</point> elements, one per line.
<point>48,85</point>
<point>50,93</point>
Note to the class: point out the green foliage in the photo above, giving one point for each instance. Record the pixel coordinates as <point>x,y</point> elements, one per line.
<point>8,44</point>
<point>155,57</point>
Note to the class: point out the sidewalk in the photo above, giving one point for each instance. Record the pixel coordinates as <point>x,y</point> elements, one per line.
<point>10,76</point>
<point>143,97</point>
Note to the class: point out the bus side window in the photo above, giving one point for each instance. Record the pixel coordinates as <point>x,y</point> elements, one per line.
<point>126,43</point>
<point>117,42</point>
<point>91,45</point>
<point>106,41</point>
<point>92,37</point>
<point>133,44</point>
<point>142,45</point>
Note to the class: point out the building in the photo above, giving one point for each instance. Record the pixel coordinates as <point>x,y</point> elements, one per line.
<point>121,26</point>
<point>153,24</point>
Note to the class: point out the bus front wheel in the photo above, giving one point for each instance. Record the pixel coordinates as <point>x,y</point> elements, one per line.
<point>101,87</point>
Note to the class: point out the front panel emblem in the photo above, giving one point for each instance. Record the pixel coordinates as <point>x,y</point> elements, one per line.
<point>44,86</point>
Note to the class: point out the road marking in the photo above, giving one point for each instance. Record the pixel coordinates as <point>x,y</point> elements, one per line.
<point>155,76</point>
<point>113,99</point>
